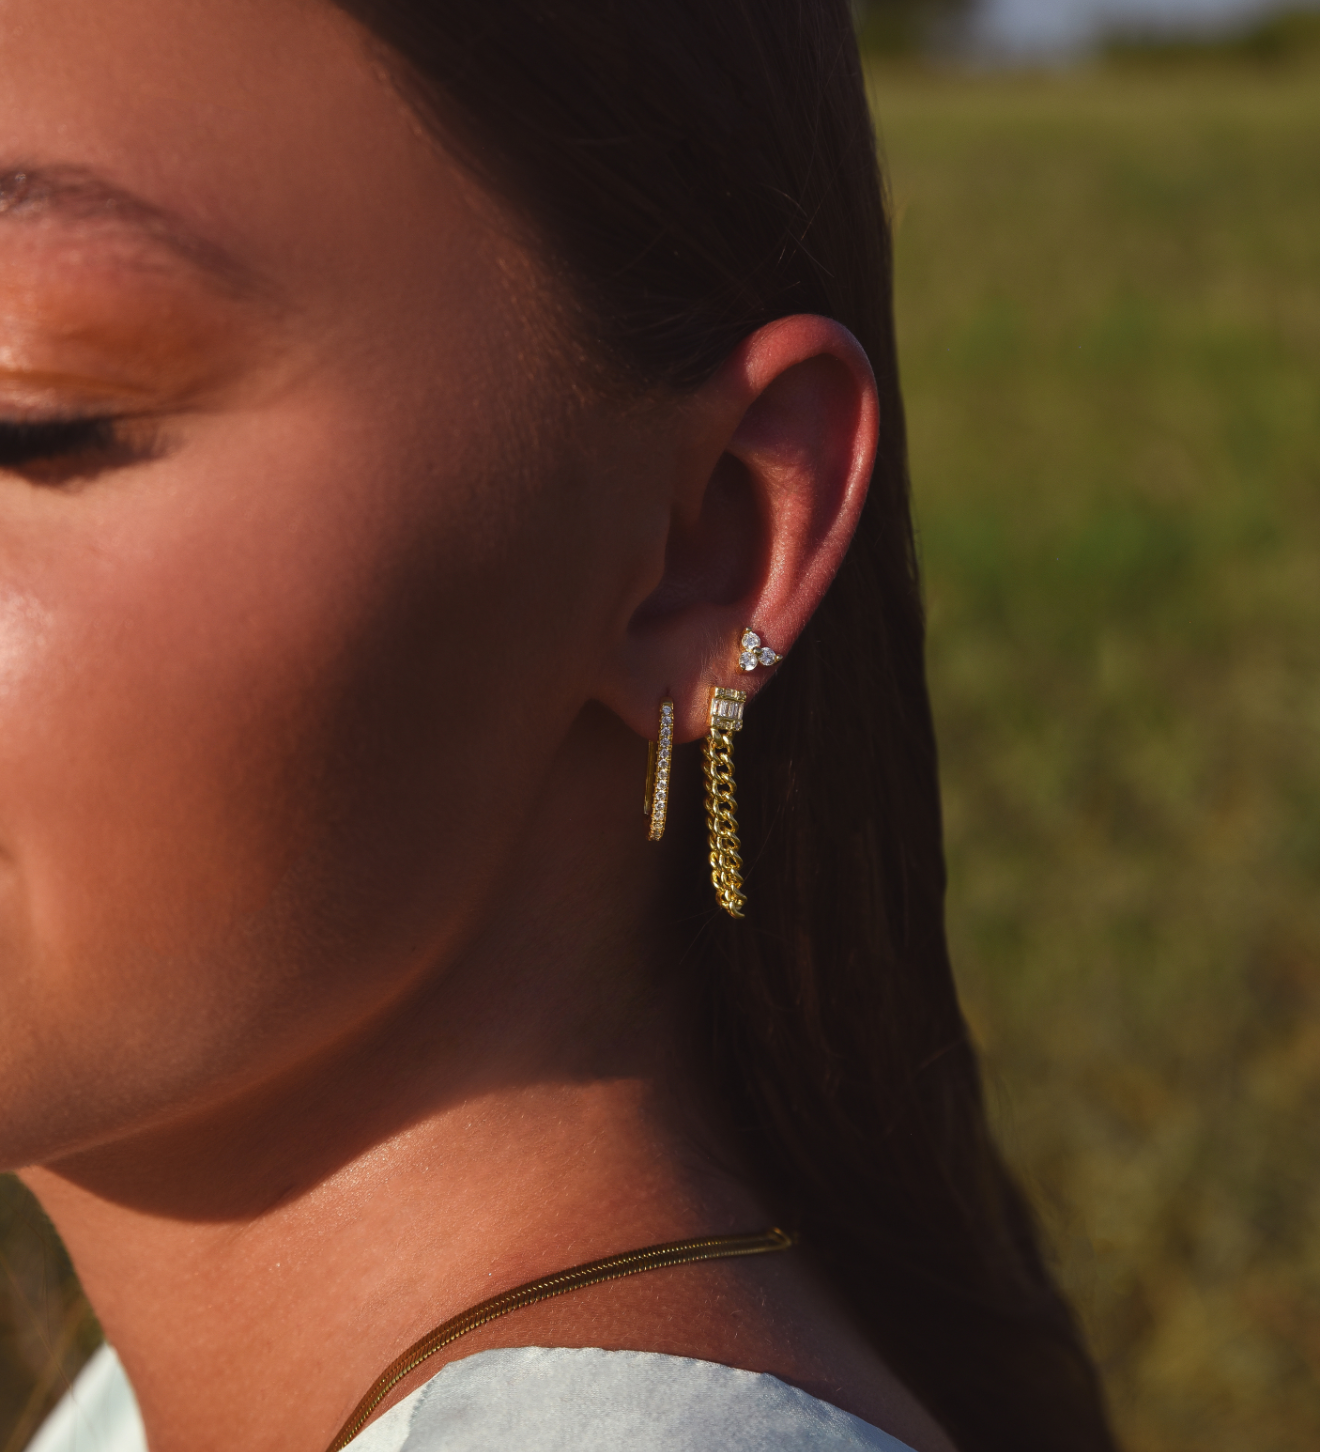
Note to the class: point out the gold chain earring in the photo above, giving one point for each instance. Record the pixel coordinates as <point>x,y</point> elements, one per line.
<point>726,717</point>
<point>658,752</point>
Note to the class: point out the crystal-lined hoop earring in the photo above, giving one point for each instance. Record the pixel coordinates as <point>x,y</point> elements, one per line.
<point>658,752</point>
<point>726,717</point>
<point>753,652</point>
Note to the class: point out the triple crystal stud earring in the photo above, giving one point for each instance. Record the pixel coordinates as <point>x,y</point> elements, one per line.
<point>658,753</point>
<point>752,652</point>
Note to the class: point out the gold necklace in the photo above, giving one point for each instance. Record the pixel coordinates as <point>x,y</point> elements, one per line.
<point>630,1263</point>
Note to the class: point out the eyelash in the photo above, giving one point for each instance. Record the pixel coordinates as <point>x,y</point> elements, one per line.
<point>71,447</point>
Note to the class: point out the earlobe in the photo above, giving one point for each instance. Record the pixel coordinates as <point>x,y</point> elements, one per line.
<point>781,447</point>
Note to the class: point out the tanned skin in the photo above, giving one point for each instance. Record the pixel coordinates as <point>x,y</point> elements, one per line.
<point>332,952</point>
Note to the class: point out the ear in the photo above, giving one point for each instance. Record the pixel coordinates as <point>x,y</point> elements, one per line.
<point>763,505</point>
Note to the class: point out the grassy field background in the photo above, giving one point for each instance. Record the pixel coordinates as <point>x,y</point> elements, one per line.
<point>1109,312</point>
<point>1109,305</point>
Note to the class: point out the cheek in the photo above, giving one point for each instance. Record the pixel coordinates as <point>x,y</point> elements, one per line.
<point>244,713</point>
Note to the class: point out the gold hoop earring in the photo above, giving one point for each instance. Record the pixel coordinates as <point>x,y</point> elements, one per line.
<point>726,717</point>
<point>656,801</point>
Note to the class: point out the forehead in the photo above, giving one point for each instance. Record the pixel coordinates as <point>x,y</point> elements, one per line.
<point>254,141</point>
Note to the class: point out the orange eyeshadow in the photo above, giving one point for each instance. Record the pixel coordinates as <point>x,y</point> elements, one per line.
<point>109,333</point>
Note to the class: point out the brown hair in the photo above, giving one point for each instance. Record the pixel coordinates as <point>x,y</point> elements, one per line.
<point>697,168</point>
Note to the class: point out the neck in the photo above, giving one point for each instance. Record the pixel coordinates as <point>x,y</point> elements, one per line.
<point>256,1264</point>
<point>219,1320</point>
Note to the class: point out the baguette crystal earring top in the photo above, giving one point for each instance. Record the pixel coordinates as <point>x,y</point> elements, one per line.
<point>658,753</point>
<point>752,653</point>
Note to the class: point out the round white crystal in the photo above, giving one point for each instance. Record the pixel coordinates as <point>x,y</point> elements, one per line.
<point>747,660</point>
<point>768,657</point>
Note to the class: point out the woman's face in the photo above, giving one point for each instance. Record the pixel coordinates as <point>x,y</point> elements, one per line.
<point>284,642</point>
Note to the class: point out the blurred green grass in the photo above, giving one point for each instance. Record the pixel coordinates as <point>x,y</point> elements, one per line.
<point>1109,309</point>
<point>1109,314</point>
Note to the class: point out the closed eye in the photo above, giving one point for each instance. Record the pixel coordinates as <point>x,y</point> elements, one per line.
<point>58,450</point>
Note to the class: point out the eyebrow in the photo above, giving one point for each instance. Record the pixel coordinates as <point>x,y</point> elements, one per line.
<point>82,199</point>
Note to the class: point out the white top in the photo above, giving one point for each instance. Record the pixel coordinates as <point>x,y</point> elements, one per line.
<point>534,1399</point>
